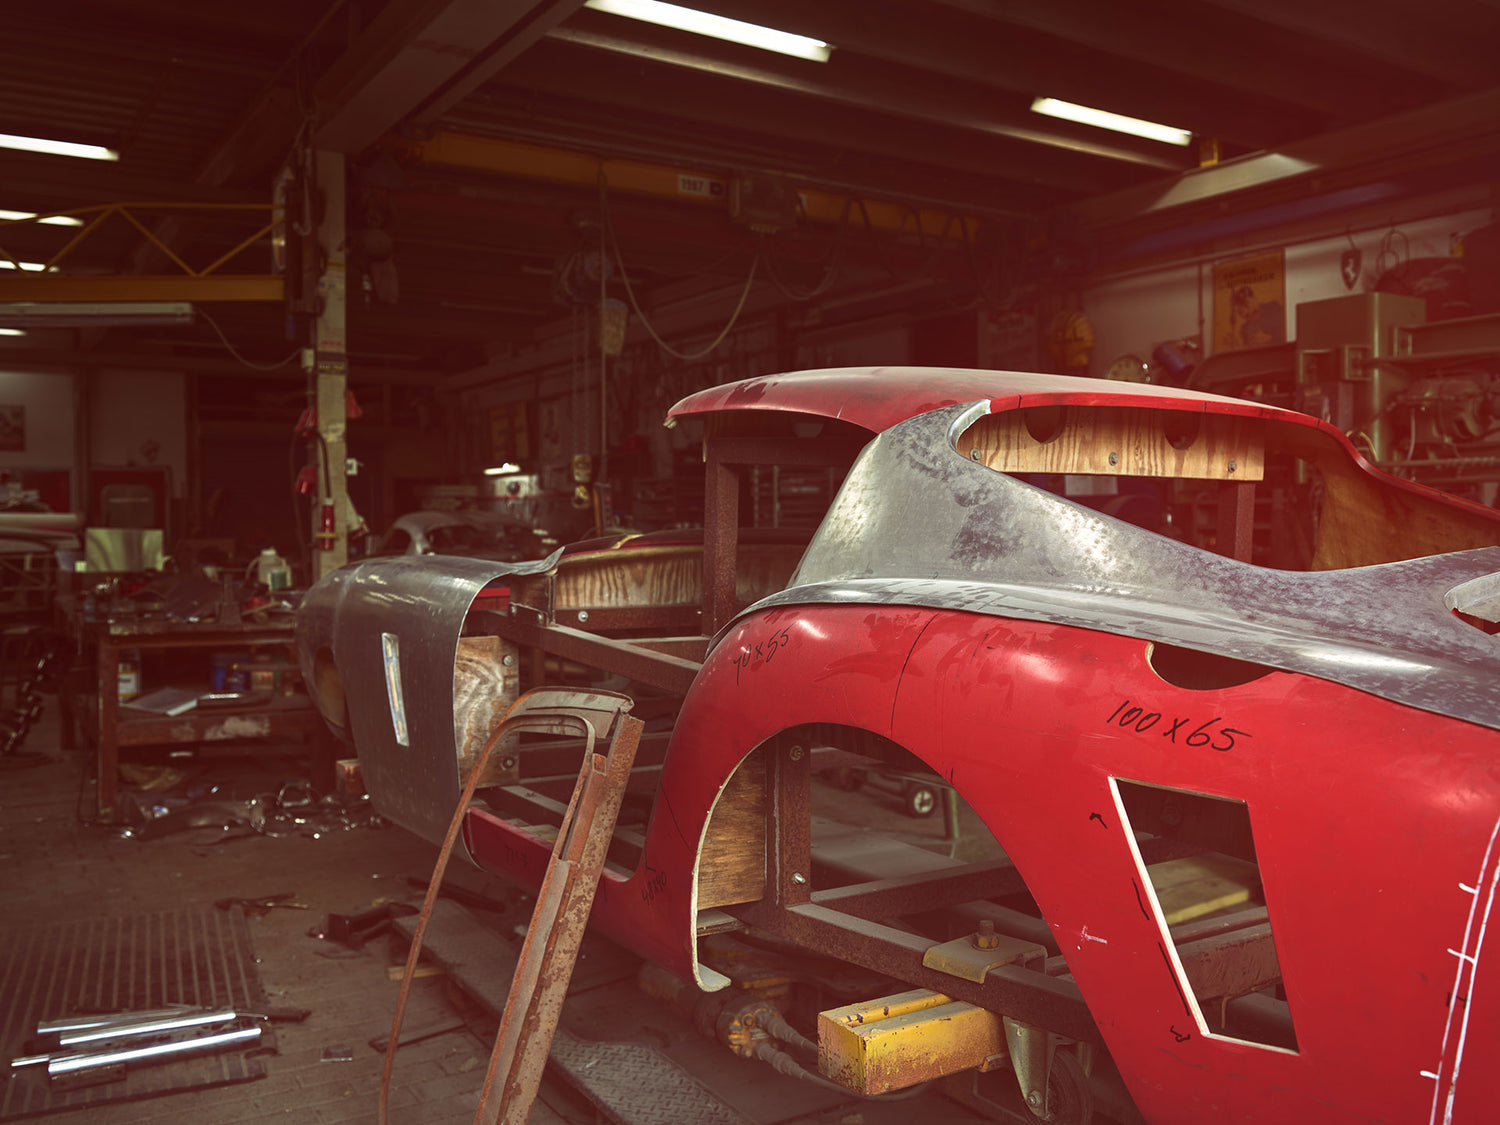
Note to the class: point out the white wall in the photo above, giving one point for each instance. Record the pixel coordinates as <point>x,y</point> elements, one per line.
<point>1133,314</point>
<point>48,399</point>
<point>139,418</point>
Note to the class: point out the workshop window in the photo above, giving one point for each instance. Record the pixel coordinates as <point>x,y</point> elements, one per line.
<point>1212,907</point>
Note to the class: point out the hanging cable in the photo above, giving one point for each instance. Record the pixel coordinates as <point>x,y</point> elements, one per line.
<point>214,324</point>
<point>830,274</point>
<point>614,245</point>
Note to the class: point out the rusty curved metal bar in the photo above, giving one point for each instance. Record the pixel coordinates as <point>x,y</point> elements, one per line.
<point>542,710</point>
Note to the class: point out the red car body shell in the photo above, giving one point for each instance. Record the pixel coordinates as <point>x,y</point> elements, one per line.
<point>1371,923</point>
<point>1374,822</point>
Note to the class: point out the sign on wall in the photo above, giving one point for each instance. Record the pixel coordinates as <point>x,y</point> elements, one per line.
<point>1250,302</point>
<point>510,437</point>
<point>12,429</point>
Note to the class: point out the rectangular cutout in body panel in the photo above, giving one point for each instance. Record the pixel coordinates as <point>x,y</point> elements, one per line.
<point>1215,964</point>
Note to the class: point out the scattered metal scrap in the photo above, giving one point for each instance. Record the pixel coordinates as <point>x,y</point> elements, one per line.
<point>295,810</point>
<point>89,1050</point>
<point>47,652</point>
<point>264,905</point>
<point>354,930</point>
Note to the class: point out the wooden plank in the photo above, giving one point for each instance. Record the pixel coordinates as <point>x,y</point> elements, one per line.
<point>1365,521</point>
<point>1118,441</point>
<point>1225,966</point>
<point>1197,885</point>
<point>661,576</point>
<point>281,717</point>
<point>1236,519</point>
<point>667,576</point>
<point>732,866</point>
<point>484,686</point>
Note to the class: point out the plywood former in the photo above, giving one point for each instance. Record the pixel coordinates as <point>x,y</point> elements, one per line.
<point>663,576</point>
<point>1364,517</point>
<point>1118,441</point>
<point>669,576</point>
<point>1364,521</point>
<point>486,681</point>
<point>732,865</point>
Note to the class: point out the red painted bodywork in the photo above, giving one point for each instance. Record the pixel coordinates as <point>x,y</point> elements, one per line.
<point>876,398</point>
<point>1374,823</point>
<point>1364,914</point>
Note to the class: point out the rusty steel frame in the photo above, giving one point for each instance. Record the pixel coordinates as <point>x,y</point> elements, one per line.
<point>1223,958</point>
<point>658,669</point>
<point>566,901</point>
<point>629,619</point>
<point>1032,997</point>
<point>791,910</point>
<point>911,894</point>
<point>723,455</point>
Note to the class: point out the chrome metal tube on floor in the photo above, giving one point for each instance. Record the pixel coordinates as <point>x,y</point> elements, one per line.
<point>149,1026</point>
<point>107,1019</point>
<point>75,1062</point>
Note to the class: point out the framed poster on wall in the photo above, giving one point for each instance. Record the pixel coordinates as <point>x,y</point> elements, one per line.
<point>12,429</point>
<point>1250,302</point>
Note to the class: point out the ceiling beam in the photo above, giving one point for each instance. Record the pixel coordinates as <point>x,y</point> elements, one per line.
<point>1423,149</point>
<point>689,187</point>
<point>175,287</point>
<point>1240,53</point>
<point>419,57</point>
<point>829,130</point>
<point>901,95</point>
<point>150,359</point>
<point>1452,41</point>
<point>36,182</point>
<point>959,45</point>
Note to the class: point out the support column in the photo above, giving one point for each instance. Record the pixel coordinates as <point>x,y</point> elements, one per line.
<point>1236,531</point>
<point>721,530</point>
<point>83,441</point>
<point>330,372</point>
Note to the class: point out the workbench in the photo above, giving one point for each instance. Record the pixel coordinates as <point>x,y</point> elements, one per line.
<point>278,716</point>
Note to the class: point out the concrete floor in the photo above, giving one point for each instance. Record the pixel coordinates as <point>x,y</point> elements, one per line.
<point>61,867</point>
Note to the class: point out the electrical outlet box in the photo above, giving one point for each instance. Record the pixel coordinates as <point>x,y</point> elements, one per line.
<point>763,203</point>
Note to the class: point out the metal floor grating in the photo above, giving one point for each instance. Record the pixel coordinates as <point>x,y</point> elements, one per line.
<point>197,957</point>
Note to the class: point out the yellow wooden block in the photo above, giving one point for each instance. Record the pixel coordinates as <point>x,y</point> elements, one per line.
<point>901,1040</point>
<point>1198,885</point>
<point>398,972</point>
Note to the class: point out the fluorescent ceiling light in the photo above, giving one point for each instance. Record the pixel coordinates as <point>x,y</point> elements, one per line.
<point>57,148</point>
<point>717,27</point>
<point>12,331</point>
<point>1106,120</point>
<point>7,264</point>
<point>93,314</point>
<point>49,221</point>
<point>501,470</point>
